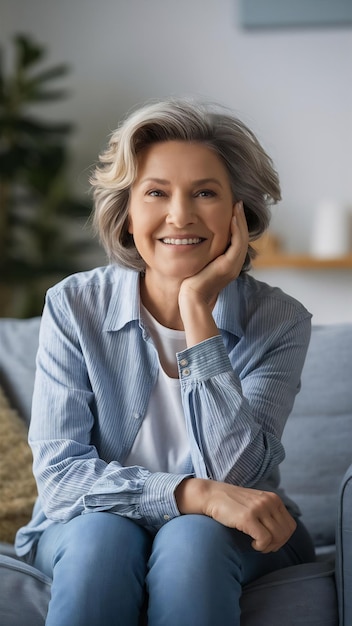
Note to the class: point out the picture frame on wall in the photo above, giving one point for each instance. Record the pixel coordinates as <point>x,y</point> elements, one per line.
<point>261,14</point>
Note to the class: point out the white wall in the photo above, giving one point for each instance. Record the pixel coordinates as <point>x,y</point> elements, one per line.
<point>293,87</point>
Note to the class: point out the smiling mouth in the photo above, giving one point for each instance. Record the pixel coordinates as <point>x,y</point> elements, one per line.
<point>181,242</point>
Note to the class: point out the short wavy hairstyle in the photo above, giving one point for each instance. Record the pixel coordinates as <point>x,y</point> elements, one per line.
<point>252,176</point>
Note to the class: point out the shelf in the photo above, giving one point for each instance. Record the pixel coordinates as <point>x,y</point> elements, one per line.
<point>299,261</point>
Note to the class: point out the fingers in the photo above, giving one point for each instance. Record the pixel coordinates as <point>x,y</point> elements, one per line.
<point>236,252</point>
<point>272,523</point>
<point>281,526</point>
<point>272,535</point>
<point>241,222</point>
<point>259,514</point>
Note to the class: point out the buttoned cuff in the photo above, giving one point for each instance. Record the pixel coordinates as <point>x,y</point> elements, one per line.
<point>157,502</point>
<point>204,360</point>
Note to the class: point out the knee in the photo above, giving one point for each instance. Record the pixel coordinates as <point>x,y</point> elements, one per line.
<point>99,542</point>
<point>99,564</point>
<point>101,528</point>
<point>194,575</point>
<point>196,540</point>
<point>186,531</point>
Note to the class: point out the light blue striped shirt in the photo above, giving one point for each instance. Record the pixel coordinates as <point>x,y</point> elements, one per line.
<point>96,368</point>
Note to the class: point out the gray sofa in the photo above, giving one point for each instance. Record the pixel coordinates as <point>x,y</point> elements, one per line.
<point>317,473</point>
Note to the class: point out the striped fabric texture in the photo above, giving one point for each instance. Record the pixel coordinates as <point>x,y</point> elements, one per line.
<point>96,368</point>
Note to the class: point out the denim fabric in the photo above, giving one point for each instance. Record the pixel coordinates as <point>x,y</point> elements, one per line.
<point>107,569</point>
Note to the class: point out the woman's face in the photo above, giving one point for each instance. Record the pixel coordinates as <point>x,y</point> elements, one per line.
<point>180,209</point>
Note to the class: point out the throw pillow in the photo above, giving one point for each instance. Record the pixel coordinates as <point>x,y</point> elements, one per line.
<point>17,485</point>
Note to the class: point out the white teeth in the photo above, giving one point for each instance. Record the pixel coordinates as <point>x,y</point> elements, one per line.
<point>181,242</point>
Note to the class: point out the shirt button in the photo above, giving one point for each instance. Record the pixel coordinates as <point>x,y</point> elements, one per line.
<point>136,416</point>
<point>166,518</point>
<point>186,372</point>
<point>183,362</point>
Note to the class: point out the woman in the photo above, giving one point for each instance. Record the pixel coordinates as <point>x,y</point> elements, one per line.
<point>163,385</point>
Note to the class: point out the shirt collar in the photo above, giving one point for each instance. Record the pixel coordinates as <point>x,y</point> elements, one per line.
<point>125,299</point>
<point>123,308</point>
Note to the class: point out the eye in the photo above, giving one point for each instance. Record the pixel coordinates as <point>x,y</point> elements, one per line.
<point>155,193</point>
<point>205,193</point>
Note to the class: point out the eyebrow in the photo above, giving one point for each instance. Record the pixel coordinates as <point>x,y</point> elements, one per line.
<point>163,181</point>
<point>160,181</point>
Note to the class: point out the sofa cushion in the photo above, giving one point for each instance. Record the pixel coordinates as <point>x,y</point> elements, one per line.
<point>299,595</point>
<point>17,485</point>
<point>344,549</point>
<point>318,434</point>
<point>18,348</point>
<point>303,594</point>
<point>24,594</point>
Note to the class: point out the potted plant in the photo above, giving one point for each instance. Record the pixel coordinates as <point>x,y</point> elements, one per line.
<point>40,241</point>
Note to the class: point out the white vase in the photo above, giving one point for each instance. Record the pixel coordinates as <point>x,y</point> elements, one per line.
<point>331,231</point>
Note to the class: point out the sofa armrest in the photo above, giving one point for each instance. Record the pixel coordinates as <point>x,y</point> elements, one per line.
<point>344,550</point>
<point>18,347</point>
<point>24,593</point>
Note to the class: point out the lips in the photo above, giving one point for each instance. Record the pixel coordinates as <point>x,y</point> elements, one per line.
<point>185,241</point>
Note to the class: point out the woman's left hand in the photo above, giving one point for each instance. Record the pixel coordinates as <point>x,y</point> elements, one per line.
<point>207,284</point>
<point>259,514</point>
<point>198,293</point>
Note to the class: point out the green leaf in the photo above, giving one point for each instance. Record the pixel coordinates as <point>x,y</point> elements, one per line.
<point>47,96</point>
<point>38,242</point>
<point>74,208</point>
<point>49,74</point>
<point>27,52</point>
<point>2,81</point>
<point>13,127</point>
<point>12,160</point>
<point>31,126</point>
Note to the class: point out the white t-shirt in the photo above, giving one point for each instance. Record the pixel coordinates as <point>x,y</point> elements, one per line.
<point>161,444</point>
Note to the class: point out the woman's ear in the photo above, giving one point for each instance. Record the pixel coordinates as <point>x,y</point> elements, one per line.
<point>130,225</point>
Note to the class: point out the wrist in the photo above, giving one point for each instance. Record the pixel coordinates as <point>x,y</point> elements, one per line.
<point>197,320</point>
<point>192,495</point>
<point>190,297</point>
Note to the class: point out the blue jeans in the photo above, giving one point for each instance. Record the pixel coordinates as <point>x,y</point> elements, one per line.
<point>107,571</point>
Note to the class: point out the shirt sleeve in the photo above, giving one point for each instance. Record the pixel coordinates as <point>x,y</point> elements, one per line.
<point>71,478</point>
<point>235,416</point>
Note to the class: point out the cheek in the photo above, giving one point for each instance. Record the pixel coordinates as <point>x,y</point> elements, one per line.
<point>225,229</point>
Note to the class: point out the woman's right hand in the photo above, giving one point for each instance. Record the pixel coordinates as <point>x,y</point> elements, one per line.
<point>259,514</point>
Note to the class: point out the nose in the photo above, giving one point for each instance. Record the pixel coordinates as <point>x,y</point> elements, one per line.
<point>180,211</point>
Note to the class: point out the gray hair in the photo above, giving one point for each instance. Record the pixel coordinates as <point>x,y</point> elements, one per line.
<point>252,176</point>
